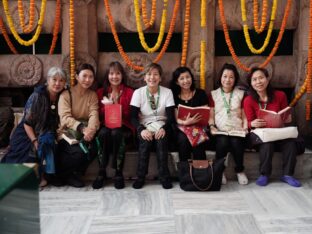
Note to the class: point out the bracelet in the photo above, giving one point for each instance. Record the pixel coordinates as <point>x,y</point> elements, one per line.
<point>33,140</point>
<point>212,125</point>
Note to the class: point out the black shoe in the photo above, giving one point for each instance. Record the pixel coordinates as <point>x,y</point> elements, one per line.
<point>98,183</point>
<point>119,182</point>
<point>55,180</point>
<point>138,183</point>
<point>74,181</point>
<point>166,184</point>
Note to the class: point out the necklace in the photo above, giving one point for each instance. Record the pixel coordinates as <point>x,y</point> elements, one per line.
<point>264,107</point>
<point>152,102</point>
<point>188,97</point>
<point>227,105</point>
<point>115,99</point>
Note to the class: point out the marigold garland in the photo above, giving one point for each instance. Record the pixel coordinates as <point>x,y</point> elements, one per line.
<point>119,46</point>
<point>27,29</point>
<point>263,17</point>
<point>203,13</point>
<point>229,43</point>
<point>13,30</point>
<point>6,37</point>
<point>186,32</point>
<point>202,80</point>
<point>140,30</point>
<point>246,32</point>
<point>148,23</point>
<point>56,27</point>
<point>72,42</point>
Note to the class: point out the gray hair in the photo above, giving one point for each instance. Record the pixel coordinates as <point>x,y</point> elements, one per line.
<point>56,71</point>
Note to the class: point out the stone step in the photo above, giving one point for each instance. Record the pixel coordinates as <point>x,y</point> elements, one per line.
<point>303,167</point>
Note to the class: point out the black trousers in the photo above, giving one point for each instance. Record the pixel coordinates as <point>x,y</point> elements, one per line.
<point>71,159</point>
<point>288,149</point>
<point>185,148</point>
<point>145,148</point>
<point>234,145</point>
<point>113,142</point>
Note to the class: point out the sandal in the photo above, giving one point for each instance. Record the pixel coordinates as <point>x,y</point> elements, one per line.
<point>242,178</point>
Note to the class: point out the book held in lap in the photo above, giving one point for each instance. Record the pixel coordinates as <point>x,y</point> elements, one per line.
<point>233,132</point>
<point>184,111</point>
<point>274,119</point>
<point>113,115</point>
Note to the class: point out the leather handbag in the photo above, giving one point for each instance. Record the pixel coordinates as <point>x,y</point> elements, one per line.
<point>201,175</point>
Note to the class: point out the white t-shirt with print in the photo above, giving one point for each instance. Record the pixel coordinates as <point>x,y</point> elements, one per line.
<point>141,100</point>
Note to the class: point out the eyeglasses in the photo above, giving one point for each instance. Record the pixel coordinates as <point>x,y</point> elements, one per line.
<point>152,102</point>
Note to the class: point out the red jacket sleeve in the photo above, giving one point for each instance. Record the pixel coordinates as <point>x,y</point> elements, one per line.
<point>250,109</point>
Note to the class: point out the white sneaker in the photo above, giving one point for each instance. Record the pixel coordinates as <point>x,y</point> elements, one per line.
<point>224,180</point>
<point>242,178</point>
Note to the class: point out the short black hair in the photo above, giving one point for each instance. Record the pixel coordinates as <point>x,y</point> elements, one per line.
<point>231,67</point>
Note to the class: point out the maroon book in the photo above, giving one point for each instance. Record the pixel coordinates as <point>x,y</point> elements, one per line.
<point>184,111</point>
<point>274,119</point>
<point>113,115</point>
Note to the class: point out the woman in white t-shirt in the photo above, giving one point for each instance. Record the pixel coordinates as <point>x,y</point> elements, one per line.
<point>152,112</point>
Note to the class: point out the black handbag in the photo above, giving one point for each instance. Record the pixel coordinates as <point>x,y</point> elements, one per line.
<point>201,175</point>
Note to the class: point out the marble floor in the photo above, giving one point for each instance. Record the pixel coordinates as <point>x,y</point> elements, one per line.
<point>277,208</point>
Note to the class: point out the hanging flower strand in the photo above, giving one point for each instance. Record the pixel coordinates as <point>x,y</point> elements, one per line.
<point>148,23</point>
<point>140,30</point>
<point>13,30</point>
<point>119,46</point>
<point>20,7</point>
<point>202,80</point>
<point>186,32</point>
<point>72,42</point>
<point>203,13</point>
<point>263,17</point>
<point>229,43</point>
<point>6,37</point>
<point>246,32</point>
<point>56,27</point>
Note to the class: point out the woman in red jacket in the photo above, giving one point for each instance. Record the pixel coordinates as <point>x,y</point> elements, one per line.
<point>263,96</point>
<point>114,91</point>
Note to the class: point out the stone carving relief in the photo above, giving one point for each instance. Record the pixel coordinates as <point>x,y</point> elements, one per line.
<point>79,59</point>
<point>16,19</point>
<point>135,78</point>
<point>26,70</point>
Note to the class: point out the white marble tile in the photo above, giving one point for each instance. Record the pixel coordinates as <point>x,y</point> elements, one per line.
<point>299,225</point>
<point>65,225</point>
<point>133,225</point>
<point>208,202</point>
<point>216,223</point>
<point>136,202</point>
<point>69,203</point>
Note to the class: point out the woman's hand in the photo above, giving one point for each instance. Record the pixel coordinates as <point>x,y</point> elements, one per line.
<point>192,120</point>
<point>258,123</point>
<point>36,145</point>
<point>213,129</point>
<point>147,135</point>
<point>88,133</point>
<point>160,134</point>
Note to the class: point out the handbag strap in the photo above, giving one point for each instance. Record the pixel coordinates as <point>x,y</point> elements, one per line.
<point>193,181</point>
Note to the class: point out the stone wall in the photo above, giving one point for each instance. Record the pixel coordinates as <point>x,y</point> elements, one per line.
<point>90,19</point>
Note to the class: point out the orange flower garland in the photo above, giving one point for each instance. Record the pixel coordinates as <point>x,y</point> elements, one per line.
<point>186,32</point>
<point>263,17</point>
<point>27,29</point>
<point>148,23</point>
<point>119,46</point>
<point>56,27</point>
<point>6,37</point>
<point>202,80</point>
<point>229,43</point>
<point>72,42</point>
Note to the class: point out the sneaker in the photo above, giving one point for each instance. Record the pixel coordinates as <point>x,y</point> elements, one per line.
<point>138,183</point>
<point>98,183</point>
<point>224,180</point>
<point>74,181</point>
<point>119,182</point>
<point>242,178</point>
<point>166,184</point>
<point>262,180</point>
<point>291,181</point>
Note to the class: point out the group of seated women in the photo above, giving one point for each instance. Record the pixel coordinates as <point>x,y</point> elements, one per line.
<point>149,114</point>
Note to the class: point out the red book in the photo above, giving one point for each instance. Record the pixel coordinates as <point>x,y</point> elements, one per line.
<point>113,115</point>
<point>275,119</point>
<point>184,111</point>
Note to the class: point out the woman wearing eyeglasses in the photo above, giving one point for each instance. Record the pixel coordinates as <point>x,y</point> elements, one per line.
<point>185,93</point>
<point>152,112</point>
